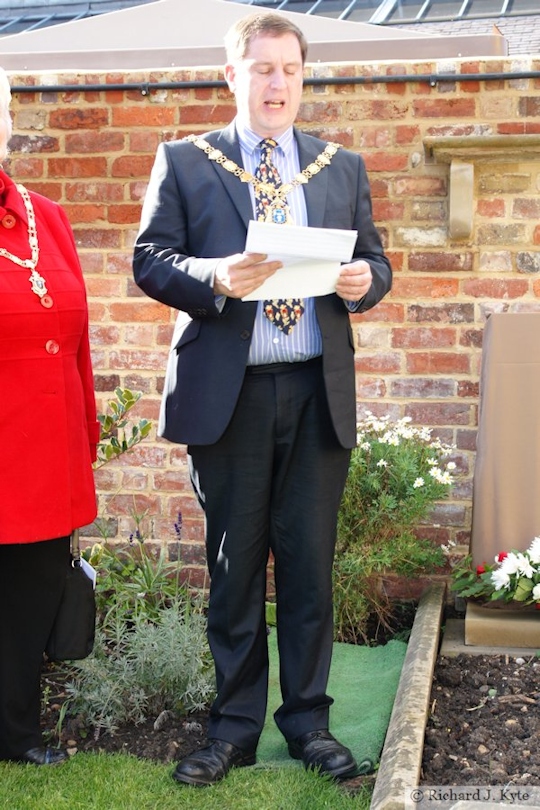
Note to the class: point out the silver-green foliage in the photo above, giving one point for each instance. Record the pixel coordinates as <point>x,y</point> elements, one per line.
<point>157,666</point>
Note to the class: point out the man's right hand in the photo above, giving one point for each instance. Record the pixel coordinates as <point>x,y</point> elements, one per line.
<point>242,273</point>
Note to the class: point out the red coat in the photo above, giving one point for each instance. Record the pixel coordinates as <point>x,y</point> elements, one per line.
<point>48,426</point>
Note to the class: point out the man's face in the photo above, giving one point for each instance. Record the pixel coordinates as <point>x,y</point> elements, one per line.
<point>267,84</point>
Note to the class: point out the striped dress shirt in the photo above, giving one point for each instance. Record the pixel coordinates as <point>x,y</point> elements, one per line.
<point>269,344</point>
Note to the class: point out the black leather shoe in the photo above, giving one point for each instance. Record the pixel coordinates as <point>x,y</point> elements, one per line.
<point>43,756</point>
<point>210,764</point>
<point>319,750</point>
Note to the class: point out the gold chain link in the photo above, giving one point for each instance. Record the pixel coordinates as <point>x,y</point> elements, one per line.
<point>322,160</point>
<point>32,234</point>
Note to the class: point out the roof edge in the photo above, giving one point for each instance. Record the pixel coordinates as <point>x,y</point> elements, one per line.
<point>466,46</point>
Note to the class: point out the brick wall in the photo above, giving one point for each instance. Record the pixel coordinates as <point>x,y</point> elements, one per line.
<point>418,352</point>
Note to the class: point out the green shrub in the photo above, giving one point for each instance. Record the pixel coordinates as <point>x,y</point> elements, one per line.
<point>397,473</point>
<point>152,667</point>
<point>116,435</point>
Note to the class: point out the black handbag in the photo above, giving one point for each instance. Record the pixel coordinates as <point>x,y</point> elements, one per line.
<point>73,632</point>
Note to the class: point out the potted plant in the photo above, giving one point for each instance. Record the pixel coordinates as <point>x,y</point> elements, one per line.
<point>511,581</point>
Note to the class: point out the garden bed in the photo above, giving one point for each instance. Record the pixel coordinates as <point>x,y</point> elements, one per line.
<point>482,726</point>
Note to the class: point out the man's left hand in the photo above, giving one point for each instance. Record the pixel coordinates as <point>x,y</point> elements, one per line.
<point>354,280</point>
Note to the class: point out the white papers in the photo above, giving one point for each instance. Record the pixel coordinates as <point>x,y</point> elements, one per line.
<point>90,572</point>
<point>311,258</point>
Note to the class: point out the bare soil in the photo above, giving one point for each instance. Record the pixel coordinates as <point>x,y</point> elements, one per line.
<point>484,722</point>
<point>483,727</point>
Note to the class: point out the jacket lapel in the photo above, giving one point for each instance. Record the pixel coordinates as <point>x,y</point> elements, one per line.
<point>316,189</point>
<point>227,142</point>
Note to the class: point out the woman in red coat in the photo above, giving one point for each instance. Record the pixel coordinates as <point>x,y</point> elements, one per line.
<point>48,437</point>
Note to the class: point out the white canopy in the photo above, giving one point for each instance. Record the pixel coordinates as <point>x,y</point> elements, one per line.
<point>184,33</point>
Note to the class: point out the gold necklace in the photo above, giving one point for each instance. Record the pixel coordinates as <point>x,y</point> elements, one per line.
<point>37,282</point>
<point>277,194</point>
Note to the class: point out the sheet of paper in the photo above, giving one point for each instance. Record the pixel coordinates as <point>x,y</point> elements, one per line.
<point>90,572</point>
<point>311,257</point>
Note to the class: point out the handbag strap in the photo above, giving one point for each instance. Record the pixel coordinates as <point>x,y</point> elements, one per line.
<point>75,548</point>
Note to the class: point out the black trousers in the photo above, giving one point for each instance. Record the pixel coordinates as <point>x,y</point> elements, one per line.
<point>32,577</point>
<point>273,482</point>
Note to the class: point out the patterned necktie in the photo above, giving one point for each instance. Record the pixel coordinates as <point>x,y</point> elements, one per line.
<point>282,312</point>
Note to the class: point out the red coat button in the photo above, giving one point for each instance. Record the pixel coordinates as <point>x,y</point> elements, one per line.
<point>52,347</point>
<point>9,221</point>
<point>47,301</point>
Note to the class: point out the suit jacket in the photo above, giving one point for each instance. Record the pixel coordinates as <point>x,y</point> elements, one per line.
<point>48,425</point>
<point>194,214</point>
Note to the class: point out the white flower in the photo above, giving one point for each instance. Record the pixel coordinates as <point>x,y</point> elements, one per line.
<point>500,579</point>
<point>418,483</point>
<point>365,446</point>
<point>536,592</point>
<point>510,564</point>
<point>382,463</point>
<point>534,551</point>
<point>524,566</point>
<point>440,476</point>
<point>451,465</point>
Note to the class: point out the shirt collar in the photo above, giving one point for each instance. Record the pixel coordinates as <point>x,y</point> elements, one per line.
<point>249,140</point>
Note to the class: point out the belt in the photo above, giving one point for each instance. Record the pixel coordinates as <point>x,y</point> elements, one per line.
<point>280,368</point>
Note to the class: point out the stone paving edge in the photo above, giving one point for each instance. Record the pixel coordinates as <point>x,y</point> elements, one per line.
<point>401,758</point>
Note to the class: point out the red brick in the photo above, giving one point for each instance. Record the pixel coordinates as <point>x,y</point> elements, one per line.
<point>422,388</point>
<point>423,337</point>
<point>383,210</point>
<point>95,142</point>
<point>407,134</point>
<point>145,310</point>
<point>420,186</point>
<point>30,144</point>
<point>491,208</point>
<point>526,208</point>
<point>140,359</point>
<point>124,214</point>
<point>211,115</point>
<point>419,288</point>
<point>104,287</point>
<point>437,363</point>
<point>78,118</point>
<point>85,213</point>
<point>441,262</point>
<point>141,117</point>
<point>385,162</point>
<point>456,108</point>
<point>131,166</point>
<point>78,167</point>
<point>94,192</point>
<point>495,288</point>
<point>378,363</point>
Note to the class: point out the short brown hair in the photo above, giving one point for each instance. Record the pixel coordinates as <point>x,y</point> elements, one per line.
<point>239,36</point>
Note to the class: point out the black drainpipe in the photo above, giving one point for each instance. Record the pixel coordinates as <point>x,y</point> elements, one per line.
<point>316,81</point>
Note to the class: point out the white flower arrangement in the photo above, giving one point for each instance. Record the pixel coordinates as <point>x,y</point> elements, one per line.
<point>515,577</point>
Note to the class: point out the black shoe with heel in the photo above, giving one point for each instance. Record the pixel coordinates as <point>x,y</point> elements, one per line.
<point>319,750</point>
<point>42,755</point>
<point>211,764</point>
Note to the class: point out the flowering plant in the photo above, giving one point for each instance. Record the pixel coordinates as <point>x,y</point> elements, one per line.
<point>396,474</point>
<point>514,577</point>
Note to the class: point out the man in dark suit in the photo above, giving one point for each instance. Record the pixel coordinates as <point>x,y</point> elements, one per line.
<point>263,394</point>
